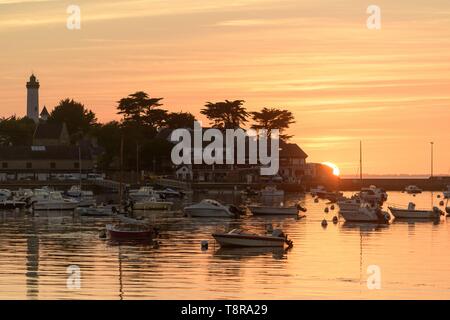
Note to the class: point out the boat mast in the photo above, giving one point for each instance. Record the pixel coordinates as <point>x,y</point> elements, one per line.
<point>121,172</point>
<point>360,163</point>
<point>79,161</point>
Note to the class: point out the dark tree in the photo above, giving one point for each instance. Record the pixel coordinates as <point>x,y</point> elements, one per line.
<point>226,114</point>
<point>270,119</point>
<point>176,120</point>
<point>136,107</point>
<point>77,117</point>
<point>16,131</point>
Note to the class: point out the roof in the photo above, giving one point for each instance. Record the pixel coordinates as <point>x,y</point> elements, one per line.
<point>43,153</point>
<point>48,131</point>
<point>291,150</point>
<point>44,112</point>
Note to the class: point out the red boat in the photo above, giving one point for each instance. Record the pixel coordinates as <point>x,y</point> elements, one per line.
<point>130,231</point>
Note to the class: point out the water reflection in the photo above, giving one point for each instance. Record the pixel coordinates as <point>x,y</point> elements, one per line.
<point>248,253</point>
<point>324,263</point>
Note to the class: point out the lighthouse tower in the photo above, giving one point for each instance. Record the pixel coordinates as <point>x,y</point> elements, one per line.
<point>33,98</point>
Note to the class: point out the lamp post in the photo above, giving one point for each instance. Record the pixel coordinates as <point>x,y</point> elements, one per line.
<point>432,158</point>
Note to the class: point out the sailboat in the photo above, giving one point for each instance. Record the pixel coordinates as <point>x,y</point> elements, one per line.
<point>366,206</point>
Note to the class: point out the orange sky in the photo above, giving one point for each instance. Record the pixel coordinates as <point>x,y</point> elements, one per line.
<point>390,88</point>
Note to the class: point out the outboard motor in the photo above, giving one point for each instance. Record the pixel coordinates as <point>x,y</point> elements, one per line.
<point>235,210</point>
<point>382,217</point>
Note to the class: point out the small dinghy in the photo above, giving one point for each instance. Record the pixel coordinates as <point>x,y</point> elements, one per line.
<point>412,189</point>
<point>129,231</point>
<point>238,238</point>
<point>97,211</point>
<point>412,213</point>
<point>151,204</point>
<point>212,208</point>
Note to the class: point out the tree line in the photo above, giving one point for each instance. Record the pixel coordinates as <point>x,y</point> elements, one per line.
<point>143,117</point>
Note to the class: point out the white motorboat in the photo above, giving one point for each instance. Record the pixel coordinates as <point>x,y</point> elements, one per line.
<point>97,211</point>
<point>349,204</point>
<point>85,198</point>
<point>143,193</point>
<point>272,191</point>
<point>151,204</point>
<point>169,193</point>
<point>318,190</point>
<point>412,189</point>
<point>75,192</point>
<point>5,194</point>
<point>239,238</point>
<point>12,204</point>
<point>212,208</point>
<point>373,194</point>
<point>274,210</point>
<point>53,201</point>
<point>22,194</point>
<point>412,213</point>
<point>365,213</point>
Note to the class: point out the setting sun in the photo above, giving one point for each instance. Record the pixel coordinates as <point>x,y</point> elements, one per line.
<point>336,170</point>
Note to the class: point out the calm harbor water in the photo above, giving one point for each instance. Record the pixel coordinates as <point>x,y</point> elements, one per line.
<point>325,263</point>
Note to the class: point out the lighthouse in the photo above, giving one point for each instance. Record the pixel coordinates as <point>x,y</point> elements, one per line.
<point>33,98</point>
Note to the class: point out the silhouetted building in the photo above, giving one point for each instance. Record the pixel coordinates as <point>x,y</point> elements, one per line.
<point>41,162</point>
<point>51,134</point>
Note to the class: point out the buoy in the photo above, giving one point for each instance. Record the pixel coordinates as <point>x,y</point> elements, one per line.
<point>335,219</point>
<point>316,200</point>
<point>204,245</point>
<point>441,203</point>
<point>324,223</point>
<point>439,196</point>
<point>327,210</point>
<point>332,207</point>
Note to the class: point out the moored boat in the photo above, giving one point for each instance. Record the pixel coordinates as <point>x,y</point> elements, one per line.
<point>412,213</point>
<point>53,201</point>
<point>151,204</point>
<point>318,190</point>
<point>5,194</point>
<point>143,193</point>
<point>373,195</point>
<point>271,191</point>
<point>212,208</point>
<point>130,231</point>
<point>97,211</point>
<point>412,189</point>
<point>239,238</point>
<point>12,204</point>
<point>365,213</point>
<point>447,192</point>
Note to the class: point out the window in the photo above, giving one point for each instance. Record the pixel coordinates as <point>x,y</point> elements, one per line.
<point>52,165</point>
<point>29,165</point>
<point>76,165</point>
<point>4,165</point>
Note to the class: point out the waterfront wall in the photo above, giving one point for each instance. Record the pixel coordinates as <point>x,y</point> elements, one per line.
<point>432,184</point>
